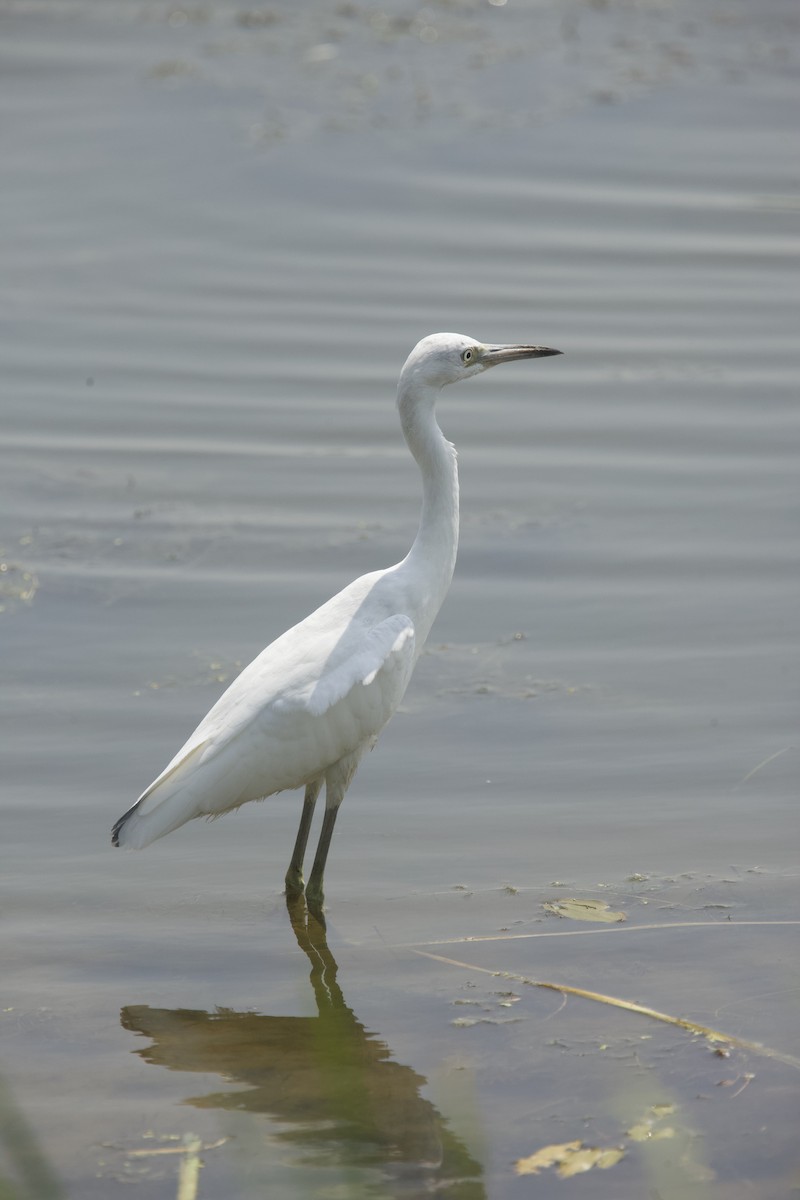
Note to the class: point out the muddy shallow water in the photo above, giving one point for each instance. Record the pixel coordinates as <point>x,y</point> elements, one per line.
<point>225,229</point>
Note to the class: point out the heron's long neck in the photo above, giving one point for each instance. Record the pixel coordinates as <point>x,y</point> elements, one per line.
<point>433,554</point>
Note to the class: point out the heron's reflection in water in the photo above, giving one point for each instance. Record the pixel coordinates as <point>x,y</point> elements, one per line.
<point>325,1077</point>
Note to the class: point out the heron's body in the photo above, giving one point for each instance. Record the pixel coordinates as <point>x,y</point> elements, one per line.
<point>316,699</point>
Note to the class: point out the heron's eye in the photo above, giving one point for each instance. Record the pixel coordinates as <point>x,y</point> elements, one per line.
<point>468,356</point>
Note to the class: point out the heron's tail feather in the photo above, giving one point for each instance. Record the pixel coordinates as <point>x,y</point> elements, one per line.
<point>168,803</point>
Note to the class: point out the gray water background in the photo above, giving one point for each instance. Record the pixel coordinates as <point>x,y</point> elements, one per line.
<point>224,229</point>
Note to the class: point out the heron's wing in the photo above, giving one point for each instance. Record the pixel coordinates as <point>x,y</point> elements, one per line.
<point>386,649</point>
<point>302,672</point>
<point>281,704</point>
<point>309,675</point>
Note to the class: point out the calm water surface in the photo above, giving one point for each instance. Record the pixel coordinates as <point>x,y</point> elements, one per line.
<point>225,228</point>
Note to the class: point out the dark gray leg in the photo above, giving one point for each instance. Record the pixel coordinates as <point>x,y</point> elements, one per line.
<point>337,781</point>
<point>314,893</point>
<point>294,876</point>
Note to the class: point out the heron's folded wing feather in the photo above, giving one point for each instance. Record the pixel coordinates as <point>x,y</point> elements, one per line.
<point>324,671</point>
<point>388,646</point>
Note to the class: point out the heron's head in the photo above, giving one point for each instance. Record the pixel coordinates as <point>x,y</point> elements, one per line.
<point>443,358</point>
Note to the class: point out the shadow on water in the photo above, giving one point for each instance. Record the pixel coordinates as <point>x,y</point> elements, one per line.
<point>326,1077</point>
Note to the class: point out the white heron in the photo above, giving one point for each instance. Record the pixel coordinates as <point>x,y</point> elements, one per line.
<point>315,700</point>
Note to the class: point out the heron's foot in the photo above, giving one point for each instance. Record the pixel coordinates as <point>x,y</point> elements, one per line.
<point>315,896</point>
<point>295,884</point>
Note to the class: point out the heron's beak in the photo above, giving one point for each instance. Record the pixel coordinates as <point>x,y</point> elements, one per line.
<point>492,355</point>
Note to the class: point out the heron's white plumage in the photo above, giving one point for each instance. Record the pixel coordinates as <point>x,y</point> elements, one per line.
<point>316,694</point>
<point>317,698</point>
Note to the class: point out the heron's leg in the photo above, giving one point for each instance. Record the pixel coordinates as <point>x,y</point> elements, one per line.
<point>294,876</point>
<point>337,781</point>
<point>314,893</point>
